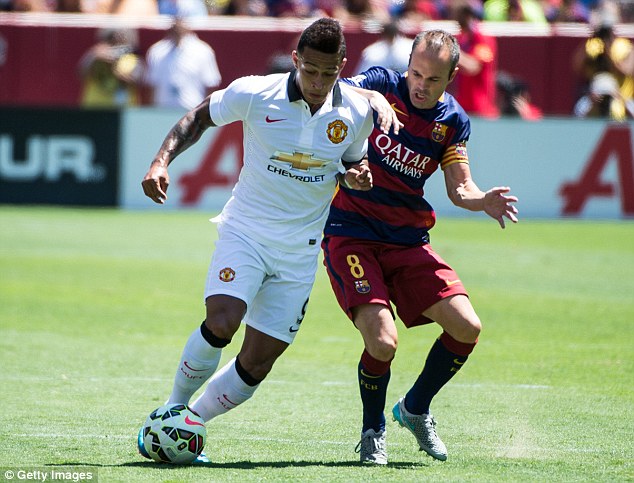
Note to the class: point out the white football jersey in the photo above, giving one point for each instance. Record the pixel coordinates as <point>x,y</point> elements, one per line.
<point>291,158</point>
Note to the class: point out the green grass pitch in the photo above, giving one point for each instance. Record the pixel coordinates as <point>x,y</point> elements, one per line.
<point>95,306</point>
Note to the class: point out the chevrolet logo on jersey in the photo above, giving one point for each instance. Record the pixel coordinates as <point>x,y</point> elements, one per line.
<point>297,160</point>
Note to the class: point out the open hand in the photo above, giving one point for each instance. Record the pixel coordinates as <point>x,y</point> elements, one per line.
<point>386,116</point>
<point>498,206</point>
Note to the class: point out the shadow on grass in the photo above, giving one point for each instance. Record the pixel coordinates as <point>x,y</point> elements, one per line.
<point>246,465</point>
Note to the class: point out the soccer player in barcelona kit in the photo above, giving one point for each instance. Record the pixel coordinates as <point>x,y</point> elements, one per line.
<point>376,245</point>
<point>303,132</point>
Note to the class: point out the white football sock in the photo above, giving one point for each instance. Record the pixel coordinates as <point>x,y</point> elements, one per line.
<point>225,391</point>
<point>197,364</point>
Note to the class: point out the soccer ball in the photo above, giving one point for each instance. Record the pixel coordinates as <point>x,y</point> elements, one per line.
<point>174,433</point>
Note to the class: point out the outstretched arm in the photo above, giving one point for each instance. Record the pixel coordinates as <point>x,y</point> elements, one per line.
<point>464,193</point>
<point>184,134</point>
<point>386,115</point>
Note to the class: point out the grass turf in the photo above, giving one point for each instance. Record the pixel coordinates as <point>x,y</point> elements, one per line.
<point>95,306</point>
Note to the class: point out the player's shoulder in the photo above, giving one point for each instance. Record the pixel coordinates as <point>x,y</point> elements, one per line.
<point>375,78</point>
<point>354,100</point>
<point>200,45</point>
<point>451,108</point>
<point>451,113</point>
<point>162,47</point>
<point>257,84</point>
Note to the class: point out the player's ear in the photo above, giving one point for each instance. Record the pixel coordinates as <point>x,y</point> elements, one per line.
<point>453,74</point>
<point>295,59</point>
<point>343,64</point>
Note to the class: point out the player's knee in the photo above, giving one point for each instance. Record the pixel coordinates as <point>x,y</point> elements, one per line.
<point>256,369</point>
<point>259,373</point>
<point>470,330</point>
<point>224,315</point>
<point>221,326</point>
<point>383,348</point>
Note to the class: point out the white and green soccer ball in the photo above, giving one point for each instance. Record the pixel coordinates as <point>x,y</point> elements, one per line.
<point>175,434</point>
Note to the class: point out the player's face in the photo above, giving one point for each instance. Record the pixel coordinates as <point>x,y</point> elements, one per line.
<point>316,74</point>
<point>428,76</point>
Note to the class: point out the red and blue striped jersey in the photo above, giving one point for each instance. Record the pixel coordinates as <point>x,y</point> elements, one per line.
<point>395,210</point>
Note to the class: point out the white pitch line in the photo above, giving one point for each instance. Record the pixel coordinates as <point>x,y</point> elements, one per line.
<point>300,442</point>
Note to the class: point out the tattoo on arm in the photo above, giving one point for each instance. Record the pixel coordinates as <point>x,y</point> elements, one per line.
<point>182,136</point>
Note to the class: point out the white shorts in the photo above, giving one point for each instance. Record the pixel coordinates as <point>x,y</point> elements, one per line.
<point>274,284</point>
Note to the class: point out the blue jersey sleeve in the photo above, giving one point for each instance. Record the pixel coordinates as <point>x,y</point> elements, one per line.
<point>375,79</point>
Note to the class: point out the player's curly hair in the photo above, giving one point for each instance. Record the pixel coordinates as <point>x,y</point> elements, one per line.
<point>324,35</point>
<point>435,41</point>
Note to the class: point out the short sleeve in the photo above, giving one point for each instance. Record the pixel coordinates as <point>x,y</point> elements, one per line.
<point>358,149</point>
<point>232,103</point>
<point>375,79</point>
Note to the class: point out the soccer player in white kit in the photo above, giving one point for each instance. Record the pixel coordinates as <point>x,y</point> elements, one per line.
<point>303,133</point>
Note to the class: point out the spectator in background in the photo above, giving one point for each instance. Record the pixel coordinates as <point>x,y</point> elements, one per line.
<point>390,51</point>
<point>292,8</point>
<point>181,68</point>
<point>412,12</point>
<point>252,8</point>
<point>604,100</point>
<point>69,6</point>
<point>567,11</point>
<point>120,7</point>
<point>606,12</point>
<point>25,6</point>
<point>514,11</point>
<point>514,98</point>
<point>111,71</point>
<point>606,55</point>
<point>183,8</point>
<point>474,85</point>
<point>358,12</point>
<point>130,7</point>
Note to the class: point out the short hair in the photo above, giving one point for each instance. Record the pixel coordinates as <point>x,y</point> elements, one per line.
<point>435,41</point>
<point>324,35</point>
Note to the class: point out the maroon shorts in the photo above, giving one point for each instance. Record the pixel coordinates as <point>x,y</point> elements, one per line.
<point>411,278</point>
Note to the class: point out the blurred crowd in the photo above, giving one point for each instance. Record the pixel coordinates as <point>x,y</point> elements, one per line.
<point>536,11</point>
<point>181,69</point>
<point>177,71</point>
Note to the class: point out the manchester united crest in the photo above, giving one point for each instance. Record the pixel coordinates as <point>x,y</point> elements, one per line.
<point>439,132</point>
<point>337,131</point>
<point>226,274</point>
<point>362,286</point>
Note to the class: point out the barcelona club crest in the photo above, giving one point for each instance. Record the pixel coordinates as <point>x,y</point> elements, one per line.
<point>362,286</point>
<point>439,132</point>
<point>461,150</point>
<point>227,275</point>
<point>337,131</point>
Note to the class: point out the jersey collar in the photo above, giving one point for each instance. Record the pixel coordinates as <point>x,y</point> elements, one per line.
<point>295,95</point>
